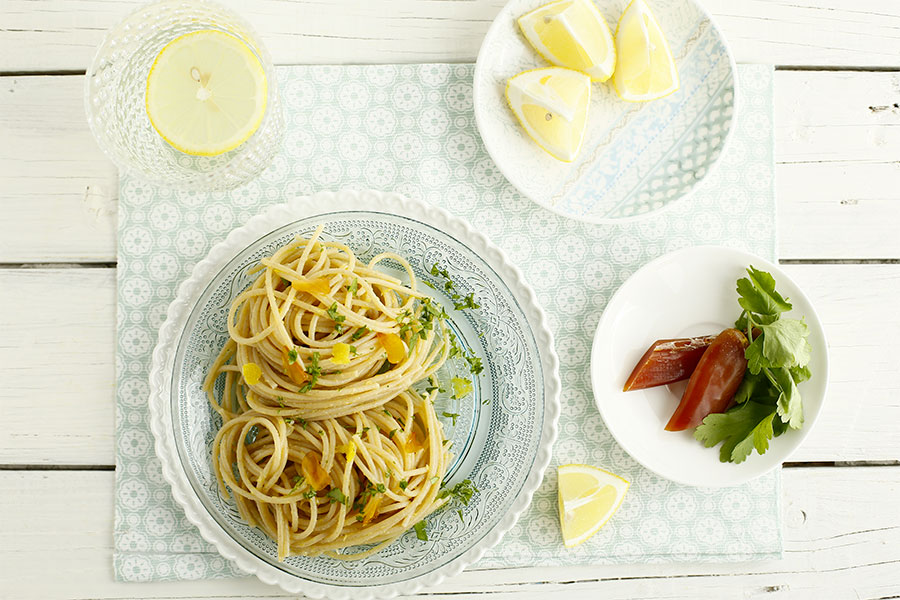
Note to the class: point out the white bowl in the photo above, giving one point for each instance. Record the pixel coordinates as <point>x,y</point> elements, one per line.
<point>685,293</point>
<point>637,158</point>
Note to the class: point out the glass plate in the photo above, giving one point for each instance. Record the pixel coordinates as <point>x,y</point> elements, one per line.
<point>502,439</point>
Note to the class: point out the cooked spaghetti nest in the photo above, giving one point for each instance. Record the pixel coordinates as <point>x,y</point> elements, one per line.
<point>320,335</point>
<point>325,443</point>
<point>318,486</point>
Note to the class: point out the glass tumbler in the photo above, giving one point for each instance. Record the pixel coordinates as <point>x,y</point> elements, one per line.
<point>116,83</point>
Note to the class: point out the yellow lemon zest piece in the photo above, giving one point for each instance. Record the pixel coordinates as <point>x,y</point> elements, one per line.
<point>340,354</point>
<point>251,372</point>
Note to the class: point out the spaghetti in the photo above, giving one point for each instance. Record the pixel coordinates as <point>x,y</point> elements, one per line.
<point>325,443</point>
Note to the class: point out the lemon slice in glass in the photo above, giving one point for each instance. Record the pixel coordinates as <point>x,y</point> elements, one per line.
<point>588,497</point>
<point>206,93</point>
<point>645,69</point>
<point>552,104</point>
<point>573,34</point>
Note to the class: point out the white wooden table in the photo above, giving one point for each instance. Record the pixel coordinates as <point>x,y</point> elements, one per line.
<point>838,153</point>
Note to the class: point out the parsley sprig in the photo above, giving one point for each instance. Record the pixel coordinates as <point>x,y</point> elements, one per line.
<point>313,370</point>
<point>460,302</point>
<point>461,493</point>
<point>768,402</point>
<point>335,316</point>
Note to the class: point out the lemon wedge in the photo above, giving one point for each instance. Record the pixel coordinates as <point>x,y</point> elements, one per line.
<point>552,104</point>
<point>206,93</point>
<point>645,69</point>
<point>573,34</point>
<point>588,497</point>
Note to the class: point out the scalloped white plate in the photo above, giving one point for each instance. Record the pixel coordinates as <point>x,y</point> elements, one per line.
<point>686,293</point>
<point>503,437</point>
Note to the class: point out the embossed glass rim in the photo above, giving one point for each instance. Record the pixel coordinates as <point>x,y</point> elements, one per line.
<point>494,29</point>
<point>188,292</point>
<point>224,275</point>
<point>238,168</point>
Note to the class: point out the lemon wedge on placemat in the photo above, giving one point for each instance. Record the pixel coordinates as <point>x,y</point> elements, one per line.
<point>588,497</point>
<point>206,93</point>
<point>573,34</point>
<point>552,104</point>
<point>645,68</point>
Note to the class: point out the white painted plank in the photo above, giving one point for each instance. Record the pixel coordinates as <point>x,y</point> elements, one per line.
<point>838,145</point>
<point>74,341</point>
<point>836,182</point>
<point>62,34</point>
<point>59,189</point>
<point>57,348</point>
<point>841,529</point>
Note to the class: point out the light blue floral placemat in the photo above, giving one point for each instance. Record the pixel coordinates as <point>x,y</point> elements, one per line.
<point>411,129</point>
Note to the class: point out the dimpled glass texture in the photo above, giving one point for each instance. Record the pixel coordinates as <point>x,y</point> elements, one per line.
<point>116,83</point>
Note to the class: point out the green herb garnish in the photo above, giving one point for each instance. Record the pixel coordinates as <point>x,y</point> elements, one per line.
<point>768,402</point>
<point>460,302</point>
<point>338,318</point>
<point>453,416</point>
<point>462,492</point>
<point>313,371</point>
<point>336,495</point>
<point>420,531</point>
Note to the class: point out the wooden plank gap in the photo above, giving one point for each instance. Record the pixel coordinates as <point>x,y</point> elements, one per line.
<point>840,464</point>
<point>60,265</point>
<point>35,467</point>
<point>838,69</point>
<point>839,261</point>
<point>41,73</point>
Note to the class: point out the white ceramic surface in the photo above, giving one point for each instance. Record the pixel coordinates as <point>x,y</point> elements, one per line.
<point>637,158</point>
<point>685,293</point>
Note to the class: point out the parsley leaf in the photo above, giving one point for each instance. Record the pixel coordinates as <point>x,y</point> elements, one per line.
<point>790,409</point>
<point>359,333</point>
<point>461,492</point>
<point>778,356</point>
<point>757,294</point>
<point>752,386</point>
<point>453,416</point>
<point>785,343</point>
<point>336,495</point>
<point>420,531</point>
<point>314,370</point>
<point>740,429</point>
<point>353,287</point>
<point>335,316</point>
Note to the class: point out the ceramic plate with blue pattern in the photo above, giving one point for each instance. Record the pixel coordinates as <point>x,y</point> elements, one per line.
<point>637,158</point>
<point>502,438</point>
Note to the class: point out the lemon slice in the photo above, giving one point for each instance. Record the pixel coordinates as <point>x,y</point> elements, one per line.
<point>552,104</point>
<point>588,497</point>
<point>573,34</point>
<point>206,93</point>
<point>645,69</point>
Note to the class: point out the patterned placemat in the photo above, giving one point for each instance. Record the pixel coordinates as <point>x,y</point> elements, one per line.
<point>410,128</point>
